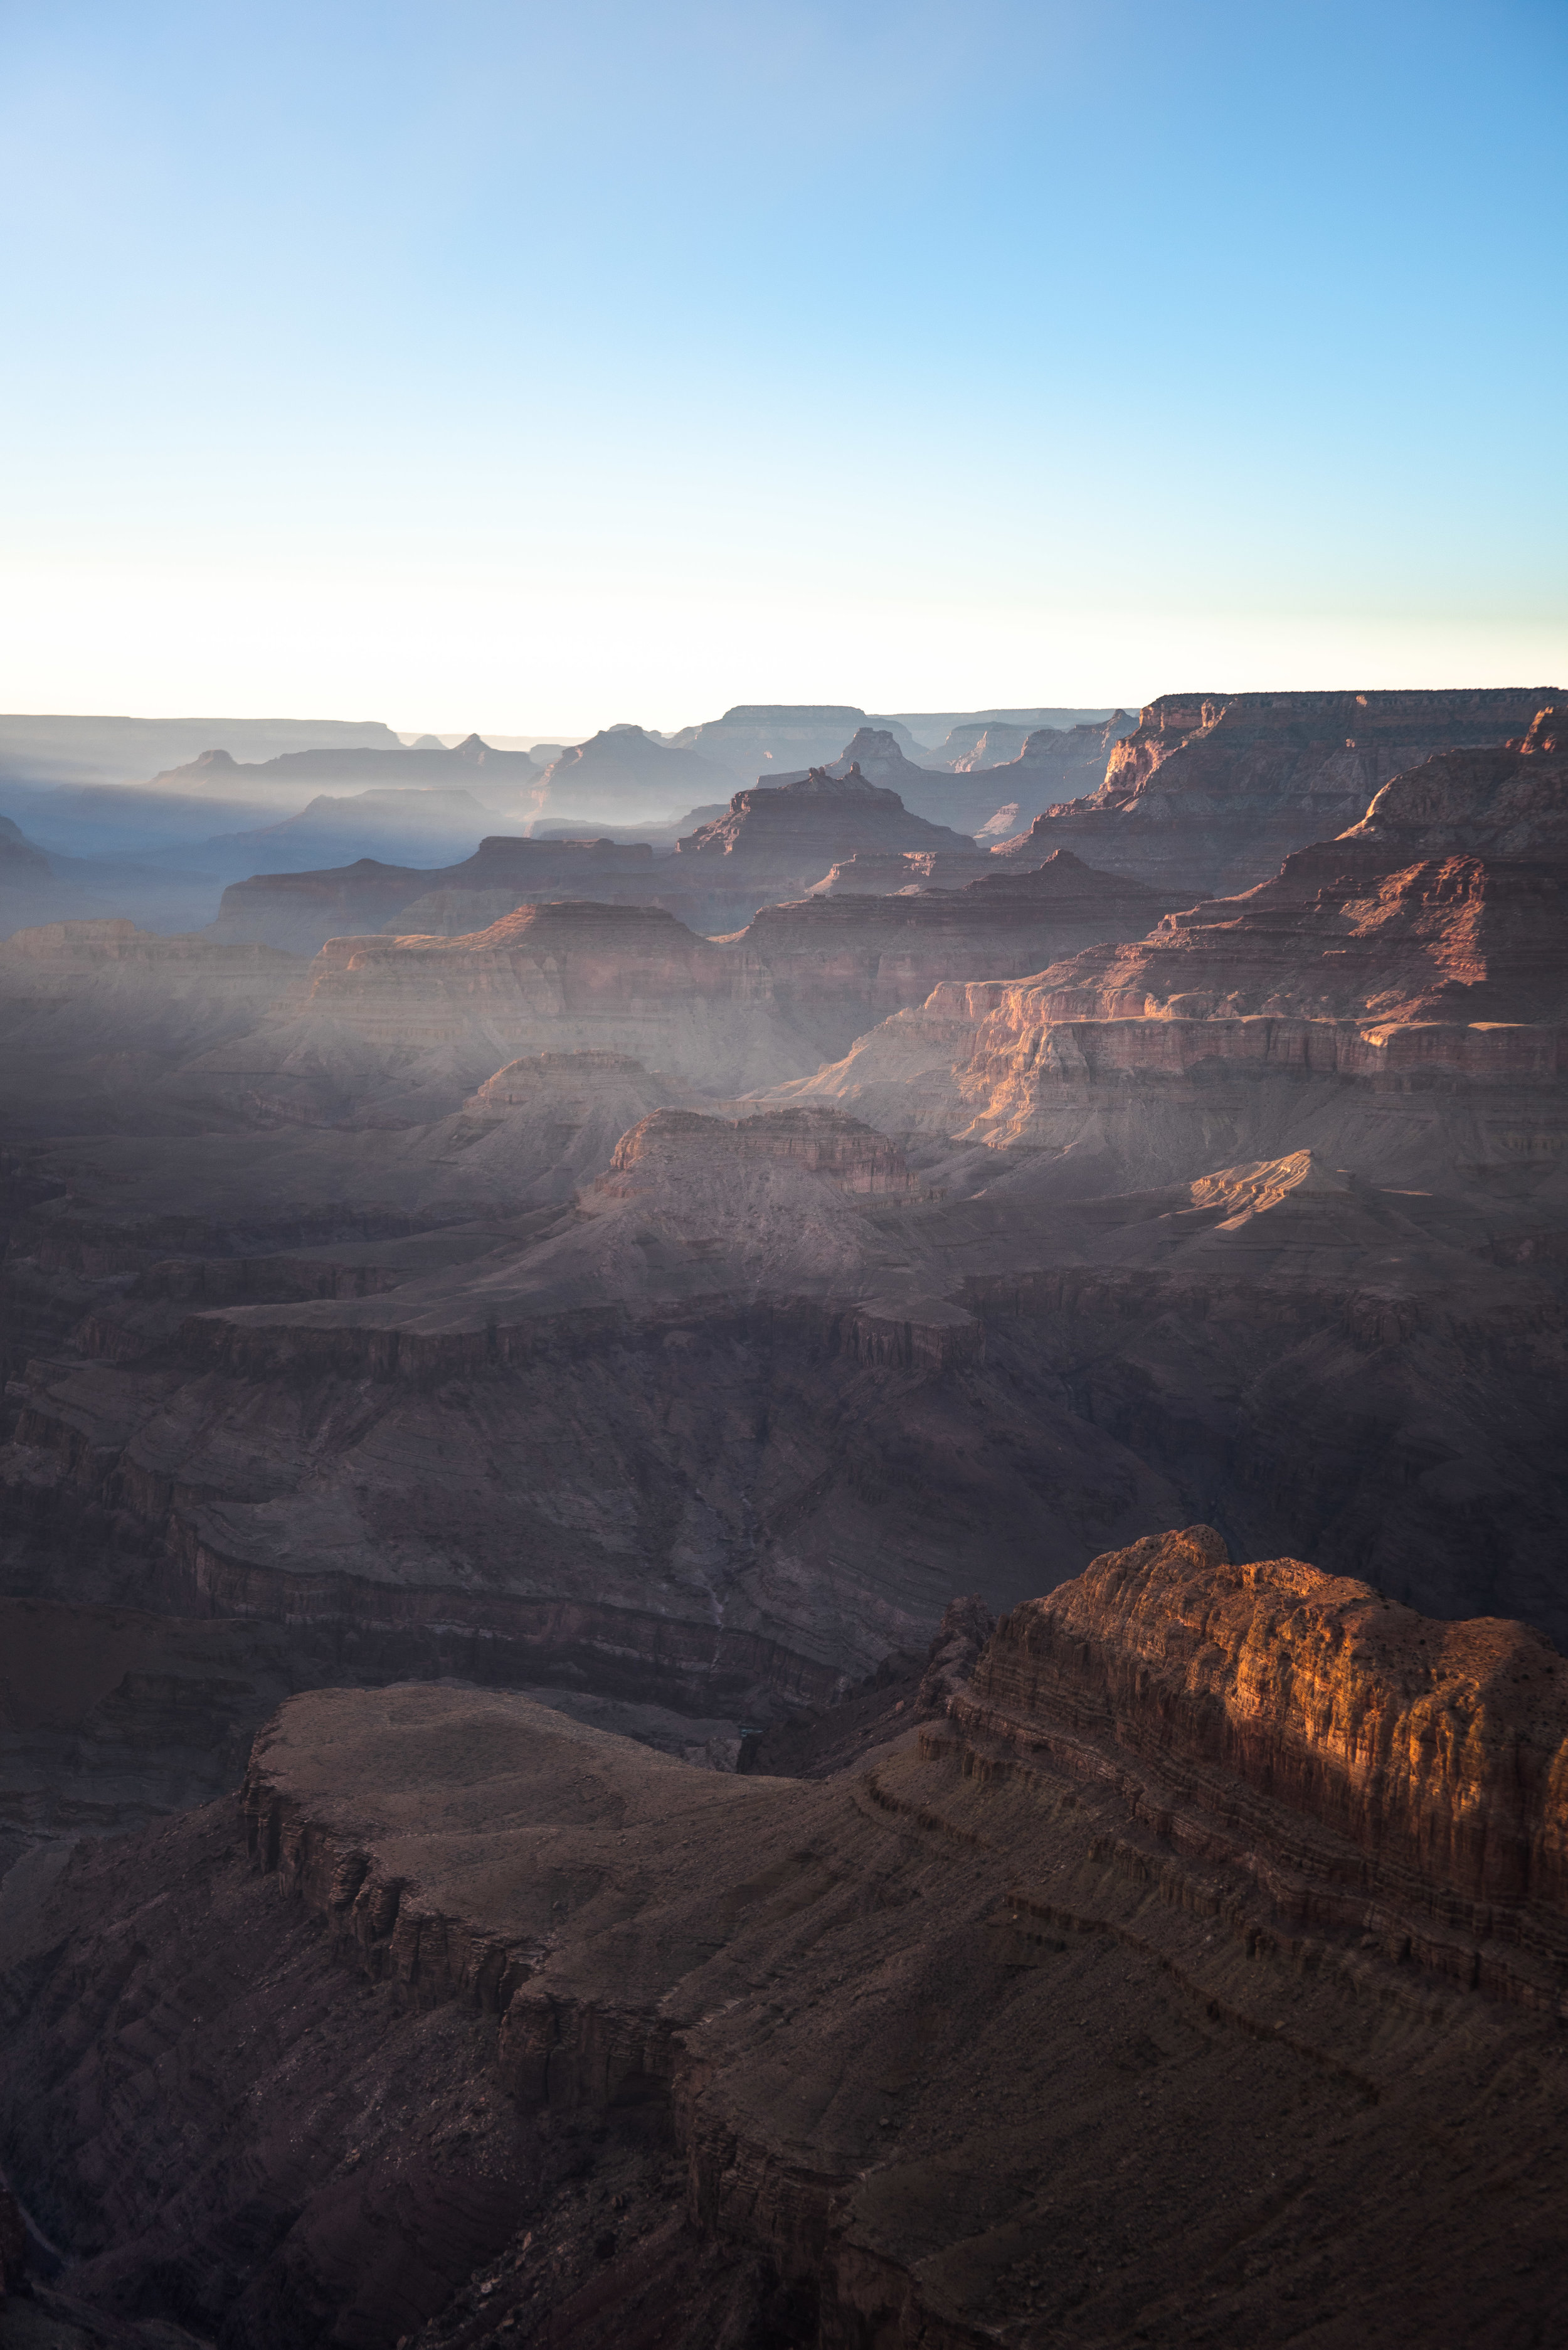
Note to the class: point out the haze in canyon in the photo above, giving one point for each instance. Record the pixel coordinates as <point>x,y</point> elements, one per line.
<point>783,1554</point>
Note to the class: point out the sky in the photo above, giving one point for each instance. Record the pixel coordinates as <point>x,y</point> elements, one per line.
<point>531,368</point>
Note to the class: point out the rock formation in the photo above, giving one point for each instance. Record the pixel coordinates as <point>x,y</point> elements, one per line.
<point>769,741</point>
<point>778,841</point>
<point>1392,954</point>
<point>426,822</point>
<point>56,752</point>
<point>846,960</point>
<point>873,873</point>
<point>1210,791</point>
<point>30,890</point>
<point>300,911</point>
<point>991,748</point>
<point>1378,1772</point>
<point>623,772</point>
<point>297,775</point>
<point>1174,1974</point>
<point>403,1028</point>
<point>1005,767</point>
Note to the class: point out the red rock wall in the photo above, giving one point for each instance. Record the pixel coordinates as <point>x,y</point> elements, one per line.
<point>1370,1754</point>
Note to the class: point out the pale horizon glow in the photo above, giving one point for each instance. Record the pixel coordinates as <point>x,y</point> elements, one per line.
<point>897,355</point>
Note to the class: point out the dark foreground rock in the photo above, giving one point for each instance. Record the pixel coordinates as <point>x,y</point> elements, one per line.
<point>549,2039</point>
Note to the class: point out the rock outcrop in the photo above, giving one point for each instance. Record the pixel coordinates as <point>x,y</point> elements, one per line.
<point>403,1028</point>
<point>873,873</point>
<point>1379,1773</point>
<point>1210,791</point>
<point>473,2022</point>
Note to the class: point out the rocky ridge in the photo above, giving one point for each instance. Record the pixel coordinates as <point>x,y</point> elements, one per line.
<point>1209,791</point>
<point>635,2052</point>
<point>300,911</point>
<point>1390,953</point>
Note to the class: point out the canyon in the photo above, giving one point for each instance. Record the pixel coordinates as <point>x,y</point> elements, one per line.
<point>1089,2001</point>
<point>566,1327</point>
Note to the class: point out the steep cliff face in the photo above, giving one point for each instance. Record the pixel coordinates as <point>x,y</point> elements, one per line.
<point>1425,945</point>
<point>1375,1769</point>
<point>1209,792</point>
<point>473,2022</point>
<point>848,960</point>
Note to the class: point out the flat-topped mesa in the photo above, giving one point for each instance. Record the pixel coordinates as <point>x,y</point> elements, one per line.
<point>1374,1768</point>
<point>1210,791</point>
<point>560,960</point>
<point>353,767</point>
<point>827,1143</point>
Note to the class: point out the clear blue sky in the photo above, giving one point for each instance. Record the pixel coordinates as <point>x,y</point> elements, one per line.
<point>528,366</point>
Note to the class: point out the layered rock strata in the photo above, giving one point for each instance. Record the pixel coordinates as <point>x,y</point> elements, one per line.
<point>549,2035</point>
<point>403,1027</point>
<point>1375,1770</point>
<point>845,961</point>
<point>623,770</point>
<point>1423,947</point>
<point>1209,792</point>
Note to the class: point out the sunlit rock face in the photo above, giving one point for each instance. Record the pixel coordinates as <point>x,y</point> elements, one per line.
<point>1431,935</point>
<point>1426,944</point>
<point>1377,1768</point>
<point>474,2021</point>
<point>1210,791</point>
